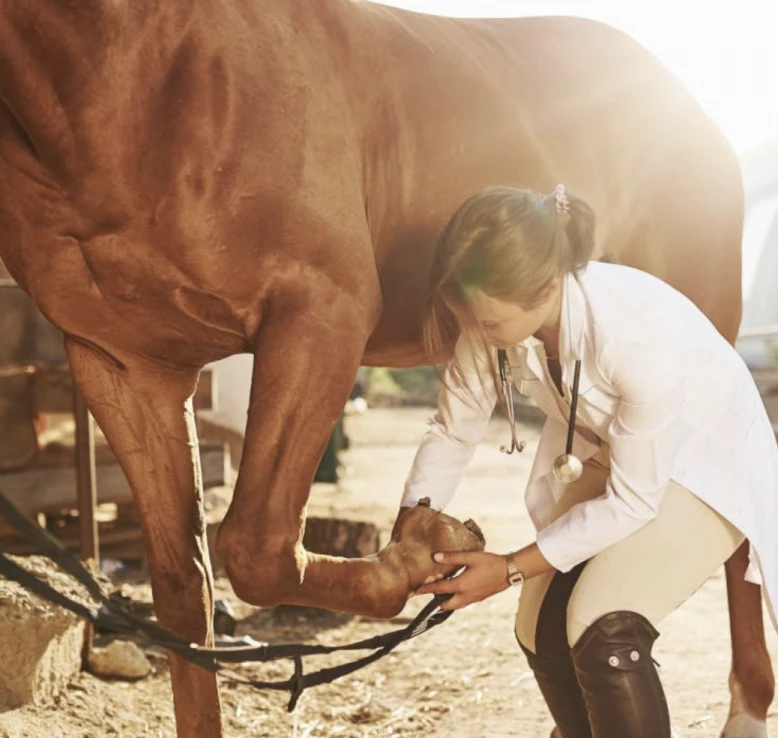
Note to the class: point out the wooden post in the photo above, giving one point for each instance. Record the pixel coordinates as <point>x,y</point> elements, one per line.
<point>86,489</point>
<point>86,495</point>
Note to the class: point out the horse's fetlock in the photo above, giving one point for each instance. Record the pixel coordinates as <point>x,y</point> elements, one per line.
<point>752,689</point>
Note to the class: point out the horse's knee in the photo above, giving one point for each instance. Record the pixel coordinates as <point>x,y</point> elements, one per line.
<point>183,599</point>
<point>261,575</point>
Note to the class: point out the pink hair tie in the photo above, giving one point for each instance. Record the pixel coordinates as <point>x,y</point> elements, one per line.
<point>562,203</point>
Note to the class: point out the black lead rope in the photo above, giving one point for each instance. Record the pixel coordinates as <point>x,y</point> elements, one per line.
<point>114,615</point>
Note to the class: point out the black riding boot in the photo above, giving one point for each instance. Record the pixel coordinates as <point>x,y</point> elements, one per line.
<point>558,684</point>
<point>618,678</point>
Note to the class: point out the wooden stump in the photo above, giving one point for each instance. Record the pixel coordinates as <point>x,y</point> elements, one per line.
<point>337,537</point>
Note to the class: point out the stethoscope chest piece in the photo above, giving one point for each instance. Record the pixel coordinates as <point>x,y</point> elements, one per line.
<point>567,468</point>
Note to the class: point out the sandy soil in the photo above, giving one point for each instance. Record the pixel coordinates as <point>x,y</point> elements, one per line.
<point>465,678</point>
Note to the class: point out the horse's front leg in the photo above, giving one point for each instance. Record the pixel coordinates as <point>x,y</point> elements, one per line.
<point>305,363</point>
<point>751,681</point>
<point>147,418</point>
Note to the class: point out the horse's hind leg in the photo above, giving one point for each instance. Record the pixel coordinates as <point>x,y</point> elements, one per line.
<point>147,418</point>
<point>751,680</point>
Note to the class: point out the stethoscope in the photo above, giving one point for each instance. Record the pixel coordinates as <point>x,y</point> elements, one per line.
<point>567,467</point>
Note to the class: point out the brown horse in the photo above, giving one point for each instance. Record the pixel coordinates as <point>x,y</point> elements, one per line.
<point>185,180</point>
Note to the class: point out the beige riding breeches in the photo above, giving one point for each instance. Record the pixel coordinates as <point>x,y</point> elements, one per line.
<point>650,572</point>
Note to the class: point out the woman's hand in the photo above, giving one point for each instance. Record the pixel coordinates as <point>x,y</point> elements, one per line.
<point>485,574</point>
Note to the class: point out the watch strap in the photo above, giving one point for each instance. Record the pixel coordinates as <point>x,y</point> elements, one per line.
<point>515,577</point>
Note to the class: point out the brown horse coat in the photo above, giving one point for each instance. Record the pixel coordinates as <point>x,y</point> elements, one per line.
<point>181,181</point>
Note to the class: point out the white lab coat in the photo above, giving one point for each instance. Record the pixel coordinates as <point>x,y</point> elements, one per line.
<point>660,385</point>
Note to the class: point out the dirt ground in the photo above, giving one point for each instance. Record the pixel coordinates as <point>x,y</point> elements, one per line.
<point>465,678</point>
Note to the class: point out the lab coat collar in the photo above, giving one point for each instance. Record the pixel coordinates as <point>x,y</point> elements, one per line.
<point>572,321</point>
<point>572,329</point>
<point>529,352</point>
<point>572,326</point>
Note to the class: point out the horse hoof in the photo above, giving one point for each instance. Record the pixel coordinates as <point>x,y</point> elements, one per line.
<point>474,528</point>
<point>743,725</point>
<point>421,532</point>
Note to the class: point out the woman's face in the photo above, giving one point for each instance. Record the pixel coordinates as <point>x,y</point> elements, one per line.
<point>505,323</point>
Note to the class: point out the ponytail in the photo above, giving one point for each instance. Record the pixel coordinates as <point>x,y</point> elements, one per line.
<point>579,230</point>
<point>575,218</point>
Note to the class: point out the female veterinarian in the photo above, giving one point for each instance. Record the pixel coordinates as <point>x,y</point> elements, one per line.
<point>655,460</point>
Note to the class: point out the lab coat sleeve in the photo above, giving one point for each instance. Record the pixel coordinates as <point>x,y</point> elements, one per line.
<point>465,405</point>
<point>644,437</point>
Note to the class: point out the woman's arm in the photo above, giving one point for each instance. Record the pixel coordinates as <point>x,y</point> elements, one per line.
<point>465,405</point>
<point>485,574</point>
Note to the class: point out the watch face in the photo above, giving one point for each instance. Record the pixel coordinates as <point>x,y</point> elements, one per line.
<point>516,579</point>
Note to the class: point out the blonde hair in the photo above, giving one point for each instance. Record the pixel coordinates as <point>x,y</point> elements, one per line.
<point>510,244</point>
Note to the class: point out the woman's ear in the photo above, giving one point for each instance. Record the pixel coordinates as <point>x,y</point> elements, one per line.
<point>551,290</point>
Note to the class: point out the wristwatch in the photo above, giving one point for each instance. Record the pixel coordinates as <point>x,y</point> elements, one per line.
<point>515,577</point>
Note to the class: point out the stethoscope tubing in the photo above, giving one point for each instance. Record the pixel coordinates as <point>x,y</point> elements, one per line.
<point>573,407</point>
<point>506,380</point>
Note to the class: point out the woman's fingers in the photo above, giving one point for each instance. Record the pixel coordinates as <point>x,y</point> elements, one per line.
<point>484,575</point>
<point>442,586</point>
<point>458,558</point>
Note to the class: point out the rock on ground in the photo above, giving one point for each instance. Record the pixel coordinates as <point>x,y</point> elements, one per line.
<point>119,660</point>
<point>40,643</point>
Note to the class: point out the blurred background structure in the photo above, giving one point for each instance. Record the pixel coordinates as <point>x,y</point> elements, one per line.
<point>759,331</point>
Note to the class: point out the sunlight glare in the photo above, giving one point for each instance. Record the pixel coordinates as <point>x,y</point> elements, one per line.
<point>725,53</point>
